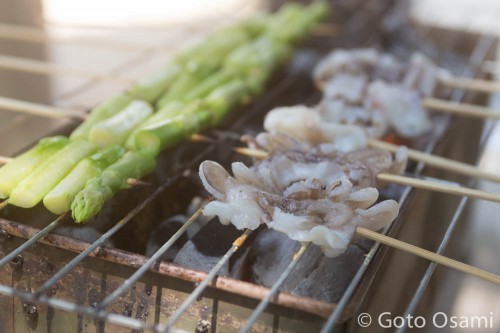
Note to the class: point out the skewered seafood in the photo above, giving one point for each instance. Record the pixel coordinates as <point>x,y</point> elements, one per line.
<point>401,107</point>
<point>306,125</point>
<point>419,73</point>
<point>377,91</point>
<point>309,197</point>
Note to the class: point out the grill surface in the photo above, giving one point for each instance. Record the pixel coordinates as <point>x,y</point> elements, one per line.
<point>46,287</point>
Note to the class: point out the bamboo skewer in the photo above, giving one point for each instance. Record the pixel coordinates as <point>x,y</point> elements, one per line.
<point>29,34</point>
<point>437,161</point>
<point>4,160</point>
<point>41,67</point>
<point>40,109</point>
<point>326,29</point>
<point>55,112</point>
<point>463,109</point>
<point>481,85</point>
<point>438,187</point>
<point>445,261</point>
<point>407,181</point>
<point>251,152</point>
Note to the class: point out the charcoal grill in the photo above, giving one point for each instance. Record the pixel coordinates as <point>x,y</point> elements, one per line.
<point>53,282</point>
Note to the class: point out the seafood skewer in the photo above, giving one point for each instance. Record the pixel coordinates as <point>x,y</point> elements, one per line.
<point>377,91</point>
<point>301,127</point>
<point>312,199</point>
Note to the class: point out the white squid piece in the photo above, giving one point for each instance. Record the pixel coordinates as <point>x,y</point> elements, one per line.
<point>377,91</point>
<point>309,198</point>
<point>402,108</point>
<point>306,124</point>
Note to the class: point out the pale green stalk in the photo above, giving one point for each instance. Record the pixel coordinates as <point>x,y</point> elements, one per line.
<point>101,112</point>
<point>89,201</point>
<point>59,199</point>
<point>116,129</point>
<point>17,169</point>
<point>31,190</point>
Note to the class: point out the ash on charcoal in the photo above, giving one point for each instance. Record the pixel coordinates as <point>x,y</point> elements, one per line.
<point>85,233</point>
<point>272,252</point>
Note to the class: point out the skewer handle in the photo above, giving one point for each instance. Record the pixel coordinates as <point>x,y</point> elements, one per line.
<point>326,29</point>
<point>462,109</point>
<point>39,109</point>
<point>30,34</point>
<point>4,160</point>
<point>437,161</point>
<point>481,85</point>
<point>445,261</point>
<point>439,187</point>
<point>40,67</point>
<point>260,154</point>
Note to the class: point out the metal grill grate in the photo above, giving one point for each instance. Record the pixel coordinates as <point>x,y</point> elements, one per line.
<point>106,307</point>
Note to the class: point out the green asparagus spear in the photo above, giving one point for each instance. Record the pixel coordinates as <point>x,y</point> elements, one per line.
<point>168,111</point>
<point>224,98</point>
<point>204,59</point>
<point>169,131</point>
<point>89,201</point>
<point>38,183</point>
<point>184,84</point>
<point>206,86</point>
<point>59,199</point>
<point>116,129</point>
<point>190,119</point>
<point>211,51</point>
<point>152,87</point>
<point>14,171</point>
<point>198,61</point>
<point>294,21</point>
<point>101,112</point>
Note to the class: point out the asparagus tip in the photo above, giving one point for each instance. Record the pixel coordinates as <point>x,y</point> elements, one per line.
<point>88,202</point>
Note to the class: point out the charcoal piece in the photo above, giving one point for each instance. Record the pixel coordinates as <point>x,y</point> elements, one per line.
<point>206,248</point>
<point>332,276</point>
<point>214,239</point>
<point>161,234</point>
<point>270,254</point>
<point>190,257</point>
<point>83,233</point>
<point>315,275</point>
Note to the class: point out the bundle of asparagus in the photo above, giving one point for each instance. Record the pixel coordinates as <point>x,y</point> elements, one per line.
<point>193,92</point>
